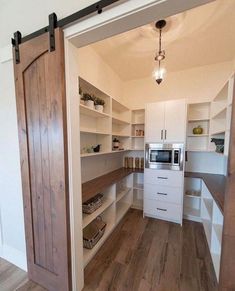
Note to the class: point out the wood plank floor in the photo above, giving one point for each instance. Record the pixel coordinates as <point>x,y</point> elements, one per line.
<point>141,255</point>
<point>148,254</point>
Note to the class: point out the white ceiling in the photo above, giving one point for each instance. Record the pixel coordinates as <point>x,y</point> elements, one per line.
<point>198,37</point>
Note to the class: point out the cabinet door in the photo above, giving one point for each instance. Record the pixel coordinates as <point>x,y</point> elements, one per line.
<point>154,122</point>
<point>175,121</point>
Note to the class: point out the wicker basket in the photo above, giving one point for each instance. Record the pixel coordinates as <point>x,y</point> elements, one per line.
<point>92,204</point>
<point>93,232</point>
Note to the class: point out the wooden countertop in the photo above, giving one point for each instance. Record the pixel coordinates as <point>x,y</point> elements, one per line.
<point>216,184</point>
<point>99,184</point>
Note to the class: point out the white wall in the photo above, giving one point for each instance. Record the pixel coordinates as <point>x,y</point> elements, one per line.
<point>196,84</point>
<point>12,223</point>
<point>98,73</point>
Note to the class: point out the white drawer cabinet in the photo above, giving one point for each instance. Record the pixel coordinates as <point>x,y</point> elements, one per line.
<point>163,210</point>
<point>163,193</point>
<point>164,177</point>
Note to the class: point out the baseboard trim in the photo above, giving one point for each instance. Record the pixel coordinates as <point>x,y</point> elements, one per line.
<point>14,256</point>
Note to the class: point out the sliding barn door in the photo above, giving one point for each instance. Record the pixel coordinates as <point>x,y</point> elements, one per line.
<point>41,108</point>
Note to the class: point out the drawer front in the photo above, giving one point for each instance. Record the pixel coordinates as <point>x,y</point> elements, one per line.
<point>163,210</point>
<point>164,178</point>
<point>163,193</point>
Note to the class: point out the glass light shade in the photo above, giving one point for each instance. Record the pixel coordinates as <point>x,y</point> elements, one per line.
<point>159,74</point>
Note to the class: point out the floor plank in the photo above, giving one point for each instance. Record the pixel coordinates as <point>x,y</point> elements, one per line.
<point>149,255</point>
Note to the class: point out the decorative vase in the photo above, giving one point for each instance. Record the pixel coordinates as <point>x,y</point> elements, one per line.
<point>198,130</point>
<point>89,103</point>
<point>99,108</point>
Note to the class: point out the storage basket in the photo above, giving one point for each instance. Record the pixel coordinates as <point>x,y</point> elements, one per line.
<point>92,204</point>
<point>93,232</point>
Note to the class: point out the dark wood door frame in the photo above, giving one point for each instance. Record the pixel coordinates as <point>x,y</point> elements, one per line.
<point>41,111</point>
<point>227,266</point>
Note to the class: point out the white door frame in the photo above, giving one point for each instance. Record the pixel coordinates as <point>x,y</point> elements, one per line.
<point>127,15</point>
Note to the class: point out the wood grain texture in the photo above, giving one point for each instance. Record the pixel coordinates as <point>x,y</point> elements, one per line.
<point>215,183</point>
<point>227,265</point>
<point>148,254</point>
<point>40,96</point>
<point>99,184</point>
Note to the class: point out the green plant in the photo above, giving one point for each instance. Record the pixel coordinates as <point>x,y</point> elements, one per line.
<point>87,97</point>
<point>99,101</point>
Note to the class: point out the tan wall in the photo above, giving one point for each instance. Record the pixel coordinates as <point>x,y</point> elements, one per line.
<point>94,70</point>
<point>197,84</point>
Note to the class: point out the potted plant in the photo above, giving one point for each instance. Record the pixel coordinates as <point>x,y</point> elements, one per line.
<point>88,100</point>
<point>81,95</point>
<point>99,104</point>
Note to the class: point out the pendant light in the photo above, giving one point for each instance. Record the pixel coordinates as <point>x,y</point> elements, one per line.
<point>159,73</point>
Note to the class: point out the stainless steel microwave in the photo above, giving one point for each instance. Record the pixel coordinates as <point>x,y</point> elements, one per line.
<point>164,156</point>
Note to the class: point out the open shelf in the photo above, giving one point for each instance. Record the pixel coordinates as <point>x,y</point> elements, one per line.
<point>218,132</point>
<point>138,186</point>
<point>138,117</point>
<point>138,199</point>
<point>209,206</point>
<point>88,254</point>
<point>91,112</point>
<point>218,229</point>
<point>207,228</point>
<point>196,120</point>
<point>88,218</point>
<point>221,113</point>
<point>122,208</point>
<point>94,132</point>
<point>118,107</point>
<point>102,153</point>
<point>122,193</point>
<point>216,263</point>
<point>198,135</point>
<point>192,213</point>
<point>119,121</point>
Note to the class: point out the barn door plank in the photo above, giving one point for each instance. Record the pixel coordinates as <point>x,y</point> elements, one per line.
<point>41,100</point>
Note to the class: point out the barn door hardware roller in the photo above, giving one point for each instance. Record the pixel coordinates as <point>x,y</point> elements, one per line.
<point>16,41</point>
<point>52,26</point>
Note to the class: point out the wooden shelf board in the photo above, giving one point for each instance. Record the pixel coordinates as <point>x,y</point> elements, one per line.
<point>137,123</point>
<point>92,112</point>
<point>192,196</point>
<point>119,121</point>
<point>123,193</point>
<point>120,135</point>
<point>198,135</point>
<point>218,132</point>
<point>94,132</point>
<point>88,218</point>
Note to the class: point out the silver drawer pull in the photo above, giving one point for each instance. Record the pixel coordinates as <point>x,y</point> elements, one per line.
<point>164,178</point>
<point>159,193</point>
<point>161,209</point>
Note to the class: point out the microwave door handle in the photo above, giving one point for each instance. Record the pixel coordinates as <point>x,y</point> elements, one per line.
<point>161,134</point>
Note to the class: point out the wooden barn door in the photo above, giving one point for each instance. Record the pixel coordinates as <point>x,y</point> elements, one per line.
<point>41,108</point>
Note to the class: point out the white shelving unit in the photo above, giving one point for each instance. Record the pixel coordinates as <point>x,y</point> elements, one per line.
<point>118,198</point>
<point>198,115</point>
<point>214,117</point>
<point>138,190</point>
<point>212,219</point>
<point>137,129</point>
<point>192,202</point>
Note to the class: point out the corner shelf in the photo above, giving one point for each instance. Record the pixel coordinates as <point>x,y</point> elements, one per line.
<point>121,194</point>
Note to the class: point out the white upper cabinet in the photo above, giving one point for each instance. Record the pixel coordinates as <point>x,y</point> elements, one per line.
<point>154,122</point>
<point>175,121</point>
<point>166,121</point>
